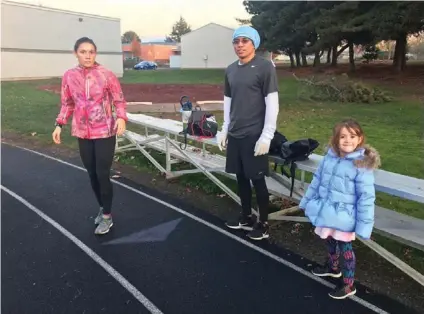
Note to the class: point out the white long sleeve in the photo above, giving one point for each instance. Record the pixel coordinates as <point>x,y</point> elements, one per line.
<point>271,114</point>
<point>227,108</point>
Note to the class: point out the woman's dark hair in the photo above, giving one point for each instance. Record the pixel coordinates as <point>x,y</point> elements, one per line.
<point>83,40</point>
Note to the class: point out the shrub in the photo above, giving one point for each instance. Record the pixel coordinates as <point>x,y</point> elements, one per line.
<point>340,89</point>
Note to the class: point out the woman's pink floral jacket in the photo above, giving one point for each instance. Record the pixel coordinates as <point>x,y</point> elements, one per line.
<point>88,94</point>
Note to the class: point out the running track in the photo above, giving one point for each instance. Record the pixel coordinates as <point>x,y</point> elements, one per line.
<point>53,263</point>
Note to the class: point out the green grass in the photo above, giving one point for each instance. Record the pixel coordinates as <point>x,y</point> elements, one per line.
<point>26,110</point>
<point>393,128</point>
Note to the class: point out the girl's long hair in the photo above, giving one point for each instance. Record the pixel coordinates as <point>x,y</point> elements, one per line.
<point>353,127</point>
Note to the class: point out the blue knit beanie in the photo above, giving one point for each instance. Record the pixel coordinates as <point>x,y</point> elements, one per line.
<point>248,32</point>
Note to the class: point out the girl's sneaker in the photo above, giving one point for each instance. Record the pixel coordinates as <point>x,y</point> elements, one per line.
<point>343,292</point>
<point>326,271</point>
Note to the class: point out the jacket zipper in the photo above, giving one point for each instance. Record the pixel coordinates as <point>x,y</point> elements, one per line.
<point>332,174</point>
<point>87,95</point>
<point>329,184</point>
<point>106,117</point>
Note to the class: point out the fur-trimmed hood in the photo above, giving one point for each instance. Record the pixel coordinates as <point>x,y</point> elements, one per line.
<point>365,157</point>
<point>370,160</point>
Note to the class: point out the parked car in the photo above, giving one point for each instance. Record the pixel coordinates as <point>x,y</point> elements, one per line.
<point>146,65</point>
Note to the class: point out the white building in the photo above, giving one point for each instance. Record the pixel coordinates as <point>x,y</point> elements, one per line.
<point>209,46</point>
<point>37,42</point>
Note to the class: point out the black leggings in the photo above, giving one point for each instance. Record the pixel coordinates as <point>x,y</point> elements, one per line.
<point>245,193</point>
<point>97,157</point>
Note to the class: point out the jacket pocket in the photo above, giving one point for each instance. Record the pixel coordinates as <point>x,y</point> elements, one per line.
<point>313,208</point>
<point>343,207</point>
<point>345,216</point>
<point>339,207</point>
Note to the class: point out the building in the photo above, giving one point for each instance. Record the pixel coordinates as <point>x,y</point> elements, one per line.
<point>159,52</point>
<point>37,42</point>
<point>209,46</point>
<point>128,51</point>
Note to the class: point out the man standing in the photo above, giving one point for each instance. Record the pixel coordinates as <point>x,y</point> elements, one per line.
<point>250,116</point>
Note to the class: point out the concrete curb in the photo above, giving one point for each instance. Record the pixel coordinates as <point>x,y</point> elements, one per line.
<point>149,103</point>
<point>204,102</point>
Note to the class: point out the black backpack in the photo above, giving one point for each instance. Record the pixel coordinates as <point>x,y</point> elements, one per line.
<point>276,142</point>
<point>201,123</point>
<point>290,152</point>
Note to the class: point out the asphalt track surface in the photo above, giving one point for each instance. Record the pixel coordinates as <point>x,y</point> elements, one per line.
<point>188,263</point>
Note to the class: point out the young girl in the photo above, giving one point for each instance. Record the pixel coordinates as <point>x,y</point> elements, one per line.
<point>340,201</point>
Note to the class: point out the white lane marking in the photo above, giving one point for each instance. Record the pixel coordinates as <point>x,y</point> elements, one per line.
<point>124,282</point>
<point>308,274</point>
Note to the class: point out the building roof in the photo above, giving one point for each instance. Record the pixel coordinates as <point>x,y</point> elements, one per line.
<point>162,43</point>
<point>212,23</point>
<point>41,7</point>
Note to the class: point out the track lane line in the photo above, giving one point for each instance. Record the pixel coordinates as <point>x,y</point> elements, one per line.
<point>106,266</point>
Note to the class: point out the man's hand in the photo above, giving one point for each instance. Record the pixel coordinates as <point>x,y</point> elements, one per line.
<point>262,147</point>
<point>120,125</point>
<point>222,140</point>
<point>56,134</point>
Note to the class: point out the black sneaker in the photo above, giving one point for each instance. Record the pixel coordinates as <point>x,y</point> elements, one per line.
<point>260,231</point>
<point>326,271</point>
<point>342,292</point>
<point>245,223</point>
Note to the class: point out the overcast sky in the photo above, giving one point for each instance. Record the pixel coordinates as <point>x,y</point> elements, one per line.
<point>150,18</point>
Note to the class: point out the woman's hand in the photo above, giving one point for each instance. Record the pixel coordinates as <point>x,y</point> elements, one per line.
<point>120,126</point>
<point>56,134</point>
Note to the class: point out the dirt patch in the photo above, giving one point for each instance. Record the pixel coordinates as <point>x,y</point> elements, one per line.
<point>410,80</point>
<point>372,271</point>
<point>163,93</point>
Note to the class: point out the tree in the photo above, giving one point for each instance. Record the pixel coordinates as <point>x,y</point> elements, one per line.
<point>395,21</point>
<point>168,39</point>
<point>340,24</point>
<point>305,27</point>
<point>274,22</point>
<point>243,21</point>
<point>129,36</point>
<point>179,28</point>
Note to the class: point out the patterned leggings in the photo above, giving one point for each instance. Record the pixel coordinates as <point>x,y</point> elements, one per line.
<point>348,268</point>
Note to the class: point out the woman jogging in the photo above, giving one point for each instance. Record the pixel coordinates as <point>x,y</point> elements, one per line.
<point>88,92</point>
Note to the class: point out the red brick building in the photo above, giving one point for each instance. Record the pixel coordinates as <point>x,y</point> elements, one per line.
<point>158,52</point>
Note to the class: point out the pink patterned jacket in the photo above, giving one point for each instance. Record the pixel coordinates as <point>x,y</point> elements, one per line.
<point>88,94</point>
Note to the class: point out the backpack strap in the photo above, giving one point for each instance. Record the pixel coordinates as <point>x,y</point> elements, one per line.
<point>290,175</point>
<point>293,167</point>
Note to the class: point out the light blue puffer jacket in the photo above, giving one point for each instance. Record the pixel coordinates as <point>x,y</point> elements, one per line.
<point>342,194</point>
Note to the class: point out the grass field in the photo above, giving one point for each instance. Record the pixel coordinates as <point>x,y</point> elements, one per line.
<point>393,128</point>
